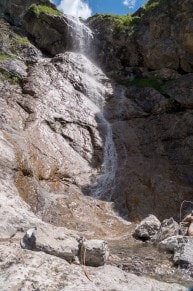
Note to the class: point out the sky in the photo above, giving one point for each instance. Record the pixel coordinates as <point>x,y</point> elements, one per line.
<point>86,8</point>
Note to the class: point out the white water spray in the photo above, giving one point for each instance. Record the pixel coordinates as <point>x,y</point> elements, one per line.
<point>104,184</point>
<point>81,35</point>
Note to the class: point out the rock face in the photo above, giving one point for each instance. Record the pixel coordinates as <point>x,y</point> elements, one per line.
<point>15,9</point>
<point>74,144</point>
<point>57,36</point>
<point>161,38</point>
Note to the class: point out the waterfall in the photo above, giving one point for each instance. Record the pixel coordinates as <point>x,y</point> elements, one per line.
<point>82,39</point>
<point>80,35</point>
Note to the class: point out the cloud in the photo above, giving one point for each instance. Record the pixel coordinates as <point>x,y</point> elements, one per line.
<point>129,3</point>
<point>77,8</point>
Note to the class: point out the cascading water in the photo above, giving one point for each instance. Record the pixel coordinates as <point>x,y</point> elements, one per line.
<point>104,184</point>
<point>81,35</point>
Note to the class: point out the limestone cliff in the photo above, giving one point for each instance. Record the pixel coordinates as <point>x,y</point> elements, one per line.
<point>158,35</point>
<point>77,144</point>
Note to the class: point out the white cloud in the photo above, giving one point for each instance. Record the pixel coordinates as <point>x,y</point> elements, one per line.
<point>77,8</point>
<point>129,3</point>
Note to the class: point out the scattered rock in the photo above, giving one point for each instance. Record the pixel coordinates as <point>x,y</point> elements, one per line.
<point>147,228</point>
<point>94,252</point>
<point>169,227</point>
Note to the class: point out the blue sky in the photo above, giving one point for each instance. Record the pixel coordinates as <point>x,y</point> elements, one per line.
<point>85,8</point>
<point>114,6</point>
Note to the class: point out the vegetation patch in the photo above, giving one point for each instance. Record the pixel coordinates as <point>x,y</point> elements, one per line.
<point>21,40</point>
<point>152,4</point>
<point>6,57</point>
<point>125,24</point>
<point>5,75</point>
<point>37,10</point>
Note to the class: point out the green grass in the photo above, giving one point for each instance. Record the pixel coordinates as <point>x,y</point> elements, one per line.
<point>126,24</point>
<point>36,10</point>
<point>119,24</point>
<point>5,75</point>
<point>151,5</point>
<point>21,40</point>
<point>6,57</point>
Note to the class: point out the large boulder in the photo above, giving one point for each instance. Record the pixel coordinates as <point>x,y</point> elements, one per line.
<point>182,247</point>
<point>184,252</point>
<point>170,244</point>
<point>94,252</point>
<point>147,228</point>
<point>53,241</point>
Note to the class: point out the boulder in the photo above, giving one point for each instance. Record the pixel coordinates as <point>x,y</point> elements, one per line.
<point>171,243</point>
<point>53,241</point>
<point>169,227</point>
<point>94,252</point>
<point>147,228</point>
<point>184,252</point>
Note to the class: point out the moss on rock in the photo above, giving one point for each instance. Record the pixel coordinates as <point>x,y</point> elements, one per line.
<point>36,10</point>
